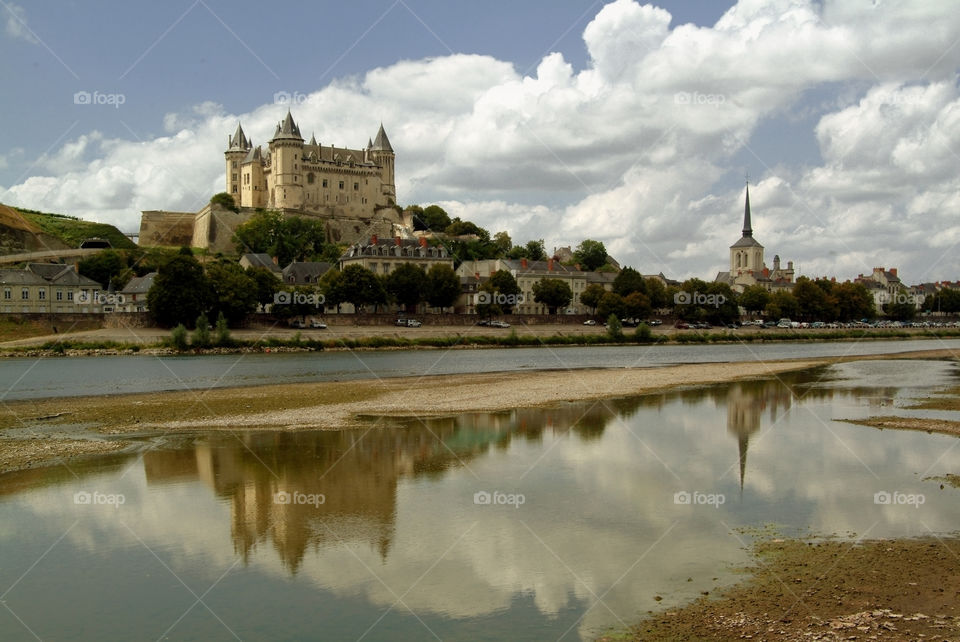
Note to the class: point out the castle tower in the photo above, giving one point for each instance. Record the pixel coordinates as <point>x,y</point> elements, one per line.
<point>286,149</point>
<point>746,255</point>
<point>237,148</point>
<point>382,154</point>
<point>253,189</point>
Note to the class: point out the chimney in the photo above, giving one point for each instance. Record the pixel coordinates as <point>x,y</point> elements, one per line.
<point>549,265</point>
<point>476,275</point>
<point>577,266</point>
<point>423,241</point>
<point>373,240</point>
<point>276,261</point>
<point>523,263</point>
<point>893,271</point>
<point>397,239</point>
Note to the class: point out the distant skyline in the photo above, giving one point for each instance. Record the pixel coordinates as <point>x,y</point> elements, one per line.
<point>627,123</point>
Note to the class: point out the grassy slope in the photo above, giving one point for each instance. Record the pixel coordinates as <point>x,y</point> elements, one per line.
<point>73,231</point>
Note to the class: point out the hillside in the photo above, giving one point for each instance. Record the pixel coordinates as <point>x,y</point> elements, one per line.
<point>23,230</point>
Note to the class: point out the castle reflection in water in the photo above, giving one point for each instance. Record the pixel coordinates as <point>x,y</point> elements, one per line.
<point>358,471</point>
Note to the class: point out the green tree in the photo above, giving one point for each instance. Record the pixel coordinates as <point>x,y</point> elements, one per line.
<point>591,295</point>
<point>225,201</point>
<point>636,305</point>
<point>359,286</point>
<point>782,305</point>
<point>266,284</point>
<point>628,281</point>
<point>536,251</point>
<point>614,327</point>
<point>611,304</point>
<point>503,242</point>
<point>292,238</point>
<point>854,302</point>
<point>657,293</point>
<point>590,255</point>
<point>443,286</point>
<point>178,338</point>
<point>222,330</point>
<point>107,268</point>
<point>180,291</point>
<point>553,293</point>
<point>503,293</point>
<point>946,300</point>
<point>234,293</point>
<point>436,218</point>
<point>754,298</point>
<point>201,332</point>
<point>407,285</point>
<point>813,300</point>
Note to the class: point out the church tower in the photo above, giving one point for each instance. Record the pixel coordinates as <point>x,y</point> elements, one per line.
<point>746,255</point>
<point>382,154</point>
<point>237,148</point>
<point>286,151</point>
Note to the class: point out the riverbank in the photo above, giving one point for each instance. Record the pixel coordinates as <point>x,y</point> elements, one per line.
<point>904,589</point>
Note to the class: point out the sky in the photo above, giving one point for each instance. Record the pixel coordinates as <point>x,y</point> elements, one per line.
<point>636,125</point>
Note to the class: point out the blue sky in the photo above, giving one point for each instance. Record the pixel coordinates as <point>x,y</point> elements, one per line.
<point>629,123</point>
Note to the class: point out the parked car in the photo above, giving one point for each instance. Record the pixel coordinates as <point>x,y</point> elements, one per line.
<point>401,323</point>
<point>318,325</point>
<point>682,325</point>
<point>589,322</point>
<point>413,323</point>
<point>784,323</point>
<point>654,322</point>
<point>499,324</point>
<point>483,322</point>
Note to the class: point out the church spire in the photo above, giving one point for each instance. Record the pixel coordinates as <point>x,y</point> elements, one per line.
<point>747,227</point>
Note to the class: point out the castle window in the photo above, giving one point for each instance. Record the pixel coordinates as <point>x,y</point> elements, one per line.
<point>356,186</point>
<point>234,189</point>
<point>234,164</point>
<point>296,179</point>
<point>341,184</point>
<point>310,178</point>
<point>325,183</point>
<point>233,177</point>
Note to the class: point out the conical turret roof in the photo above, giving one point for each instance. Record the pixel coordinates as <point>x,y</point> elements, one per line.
<point>238,142</point>
<point>287,129</point>
<point>381,142</point>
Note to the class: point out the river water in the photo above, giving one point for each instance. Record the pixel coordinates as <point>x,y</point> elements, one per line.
<point>28,378</point>
<point>543,524</point>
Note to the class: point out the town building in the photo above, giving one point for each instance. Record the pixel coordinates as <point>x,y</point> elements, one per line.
<point>261,260</point>
<point>527,273</point>
<point>383,255</point>
<point>747,266</point>
<point>133,296</point>
<point>48,288</point>
<point>885,287</point>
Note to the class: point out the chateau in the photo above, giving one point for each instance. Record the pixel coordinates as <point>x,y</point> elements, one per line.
<point>352,190</point>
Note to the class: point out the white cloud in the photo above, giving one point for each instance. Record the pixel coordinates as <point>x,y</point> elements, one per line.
<point>631,150</point>
<point>16,23</point>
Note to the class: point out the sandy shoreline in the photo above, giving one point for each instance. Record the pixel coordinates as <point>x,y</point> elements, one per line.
<point>32,433</point>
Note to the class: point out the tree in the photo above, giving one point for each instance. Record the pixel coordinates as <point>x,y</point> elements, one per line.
<point>436,218</point>
<point>266,284</point>
<point>900,309</point>
<point>357,285</point>
<point>946,300</point>
<point>657,293</point>
<point>443,286</point>
<point>754,298</point>
<point>536,251</point>
<point>180,291</point>
<point>782,305</point>
<point>614,327</point>
<point>636,305</point>
<point>201,332</point>
<point>611,304</point>
<point>225,201</point>
<point>222,331</point>
<point>502,294</point>
<point>854,302</point>
<point>503,242</point>
<point>234,293</point>
<point>463,228</point>
<point>629,281</point>
<point>591,295</point>
<point>553,293</point>
<point>590,255</point>
<point>107,268</point>
<point>289,239</point>
<point>407,285</point>
<point>813,300</point>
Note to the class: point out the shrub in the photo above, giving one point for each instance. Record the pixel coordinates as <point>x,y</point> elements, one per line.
<point>178,337</point>
<point>201,334</point>
<point>614,328</point>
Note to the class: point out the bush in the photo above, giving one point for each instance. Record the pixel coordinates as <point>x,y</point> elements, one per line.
<point>614,328</point>
<point>223,331</point>
<point>643,334</point>
<point>201,334</point>
<point>178,338</point>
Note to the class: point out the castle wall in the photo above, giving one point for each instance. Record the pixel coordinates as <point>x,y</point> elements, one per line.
<point>158,227</point>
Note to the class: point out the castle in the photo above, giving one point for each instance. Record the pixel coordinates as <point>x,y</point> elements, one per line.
<point>352,190</point>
